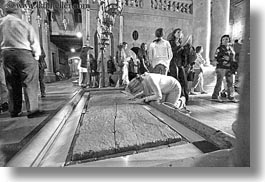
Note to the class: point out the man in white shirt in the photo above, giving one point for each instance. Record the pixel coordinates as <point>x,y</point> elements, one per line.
<point>20,50</point>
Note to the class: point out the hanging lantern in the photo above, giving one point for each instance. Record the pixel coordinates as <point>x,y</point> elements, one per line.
<point>108,20</point>
<point>113,7</point>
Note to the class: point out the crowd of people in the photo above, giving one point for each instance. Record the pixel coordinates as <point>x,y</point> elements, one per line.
<point>161,71</point>
<point>170,65</point>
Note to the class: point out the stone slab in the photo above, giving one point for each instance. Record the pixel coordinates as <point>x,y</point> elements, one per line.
<point>147,159</point>
<point>113,124</point>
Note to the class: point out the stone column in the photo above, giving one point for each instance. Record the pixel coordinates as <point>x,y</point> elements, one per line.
<point>86,23</point>
<point>49,74</point>
<point>202,26</point>
<point>121,30</point>
<point>242,126</point>
<point>220,23</point>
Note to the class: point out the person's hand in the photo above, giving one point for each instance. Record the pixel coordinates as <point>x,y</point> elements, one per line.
<point>37,57</point>
<point>139,101</point>
<point>131,98</point>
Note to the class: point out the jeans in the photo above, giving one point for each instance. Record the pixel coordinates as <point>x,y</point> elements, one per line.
<point>221,73</point>
<point>21,70</point>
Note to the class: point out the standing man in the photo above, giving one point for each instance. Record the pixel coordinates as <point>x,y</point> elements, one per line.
<point>21,50</point>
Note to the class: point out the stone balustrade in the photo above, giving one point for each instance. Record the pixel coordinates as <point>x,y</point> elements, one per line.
<point>172,5</point>
<point>133,3</point>
<point>181,6</point>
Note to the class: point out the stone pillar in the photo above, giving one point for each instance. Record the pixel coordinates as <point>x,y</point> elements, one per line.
<point>49,74</point>
<point>121,30</point>
<point>202,26</point>
<point>86,23</point>
<point>220,23</point>
<point>242,126</point>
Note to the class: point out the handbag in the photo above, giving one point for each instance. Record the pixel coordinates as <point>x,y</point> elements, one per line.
<point>191,75</point>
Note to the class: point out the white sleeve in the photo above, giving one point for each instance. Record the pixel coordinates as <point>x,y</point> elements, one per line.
<point>34,43</point>
<point>169,50</point>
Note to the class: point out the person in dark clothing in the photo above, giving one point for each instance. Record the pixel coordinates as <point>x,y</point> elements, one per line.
<point>144,61</point>
<point>94,73</point>
<point>111,69</point>
<point>225,57</point>
<point>42,67</point>
<point>175,39</point>
<point>179,64</point>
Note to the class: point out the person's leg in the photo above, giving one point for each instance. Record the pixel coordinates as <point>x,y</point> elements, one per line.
<point>13,82</point>
<point>230,80</point>
<point>88,82</point>
<point>173,96</point>
<point>29,74</point>
<point>195,81</point>
<point>183,82</point>
<point>220,76</point>
<point>41,81</point>
<point>80,78</point>
<point>201,83</point>
<point>84,79</point>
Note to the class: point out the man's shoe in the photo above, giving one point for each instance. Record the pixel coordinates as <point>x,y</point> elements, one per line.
<point>36,114</point>
<point>4,107</point>
<point>203,92</point>
<point>233,100</point>
<point>217,99</point>
<point>184,110</point>
<point>193,93</point>
<point>223,94</point>
<point>14,115</point>
<point>43,95</point>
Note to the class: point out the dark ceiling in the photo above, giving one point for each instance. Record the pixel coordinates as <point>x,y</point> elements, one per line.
<point>66,42</point>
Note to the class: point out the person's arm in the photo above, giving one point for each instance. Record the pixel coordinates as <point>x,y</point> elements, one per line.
<point>140,94</point>
<point>150,53</point>
<point>169,51</point>
<point>34,43</point>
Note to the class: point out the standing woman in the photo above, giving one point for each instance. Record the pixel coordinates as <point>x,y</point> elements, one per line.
<point>143,57</point>
<point>225,57</point>
<point>198,69</point>
<point>160,53</point>
<point>179,61</point>
<point>125,58</point>
<point>175,39</point>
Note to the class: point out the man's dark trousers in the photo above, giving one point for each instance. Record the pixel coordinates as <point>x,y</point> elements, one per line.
<point>21,70</point>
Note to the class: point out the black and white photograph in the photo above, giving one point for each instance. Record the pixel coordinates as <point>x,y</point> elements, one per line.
<point>136,84</point>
